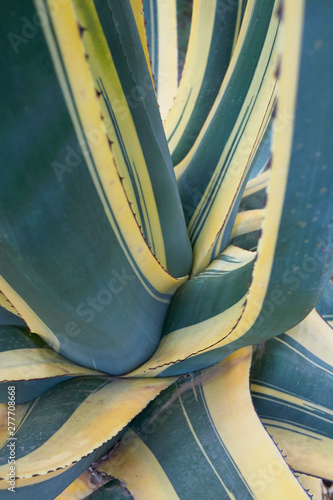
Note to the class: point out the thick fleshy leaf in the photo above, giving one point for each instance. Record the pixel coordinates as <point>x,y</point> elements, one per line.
<point>137,8</point>
<point>161,28</point>
<point>75,263</point>
<point>255,192</point>
<point>131,117</point>
<point>66,424</point>
<point>191,442</point>
<point>292,390</point>
<point>214,32</point>
<point>295,252</point>
<point>184,18</point>
<point>29,364</point>
<point>247,228</point>
<point>214,173</point>
<point>203,307</point>
<point>312,485</point>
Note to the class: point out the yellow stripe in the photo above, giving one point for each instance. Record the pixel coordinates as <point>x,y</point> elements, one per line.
<point>101,65</point>
<point>246,222</point>
<point>256,184</point>
<point>181,167</point>
<point>30,317</point>
<point>27,364</point>
<point>226,386</point>
<point>20,411</point>
<point>202,24</point>
<point>289,400</point>
<point>315,335</point>
<point>304,453</point>
<point>312,484</point>
<point>86,102</point>
<point>238,24</point>
<point>135,465</point>
<point>282,143</point>
<point>140,24</point>
<point>100,417</point>
<point>241,151</point>
<point>167,55</point>
<point>239,257</point>
<point>152,32</point>
<point>79,489</point>
<point>181,343</point>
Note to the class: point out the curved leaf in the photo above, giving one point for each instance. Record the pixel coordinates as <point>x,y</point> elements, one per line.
<point>189,444</point>
<point>292,390</point>
<point>295,252</point>
<point>137,8</point>
<point>219,163</point>
<point>66,424</point>
<point>74,260</point>
<point>312,485</point>
<point>247,228</point>
<point>131,117</point>
<point>214,31</point>
<point>254,195</point>
<point>161,28</point>
<point>29,364</point>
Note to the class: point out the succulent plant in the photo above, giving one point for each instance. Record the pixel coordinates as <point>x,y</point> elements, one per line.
<point>166,249</point>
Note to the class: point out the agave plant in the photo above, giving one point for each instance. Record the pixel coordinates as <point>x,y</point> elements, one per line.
<point>166,249</point>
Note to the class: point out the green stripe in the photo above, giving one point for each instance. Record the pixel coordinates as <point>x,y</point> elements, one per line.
<point>27,390</point>
<point>49,489</point>
<point>303,259</point>
<point>269,407</point>
<point>135,181</point>
<point>216,67</point>
<point>248,241</point>
<point>59,251</point>
<point>14,337</point>
<point>201,168</point>
<point>53,409</point>
<point>121,34</point>
<point>150,15</point>
<point>189,472</point>
<point>204,297</point>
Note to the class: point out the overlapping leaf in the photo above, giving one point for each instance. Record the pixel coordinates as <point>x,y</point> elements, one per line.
<point>74,259</point>
<point>214,31</point>
<point>161,29</point>
<point>294,259</point>
<point>292,390</point>
<point>69,426</point>
<point>191,442</point>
